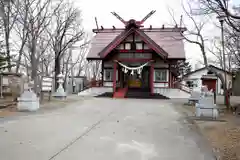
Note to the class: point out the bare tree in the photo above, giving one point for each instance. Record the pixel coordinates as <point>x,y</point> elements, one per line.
<point>200,42</point>
<point>216,50</point>
<point>219,7</point>
<point>21,29</point>
<point>9,10</point>
<point>82,63</point>
<point>232,46</point>
<point>65,31</point>
<point>194,36</point>
<point>33,18</point>
<point>96,68</point>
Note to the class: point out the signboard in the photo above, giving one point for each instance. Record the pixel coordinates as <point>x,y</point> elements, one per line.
<point>47,84</point>
<point>5,81</point>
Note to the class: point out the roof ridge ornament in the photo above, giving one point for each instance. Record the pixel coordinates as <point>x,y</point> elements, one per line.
<point>133,22</point>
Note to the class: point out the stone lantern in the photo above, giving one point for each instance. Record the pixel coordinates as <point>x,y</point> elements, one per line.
<point>60,93</point>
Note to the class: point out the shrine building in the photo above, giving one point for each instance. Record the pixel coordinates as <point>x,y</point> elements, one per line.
<point>136,57</point>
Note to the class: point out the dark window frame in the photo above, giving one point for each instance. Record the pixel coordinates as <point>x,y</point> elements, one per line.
<point>156,76</point>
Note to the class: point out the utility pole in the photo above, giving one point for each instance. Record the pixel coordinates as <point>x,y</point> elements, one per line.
<point>221,19</point>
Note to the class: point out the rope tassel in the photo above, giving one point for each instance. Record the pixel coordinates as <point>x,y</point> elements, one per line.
<point>132,73</point>
<point>125,70</point>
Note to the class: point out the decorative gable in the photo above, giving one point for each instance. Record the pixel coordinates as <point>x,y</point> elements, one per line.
<point>133,40</point>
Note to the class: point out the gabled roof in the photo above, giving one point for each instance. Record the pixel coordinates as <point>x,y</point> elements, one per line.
<point>125,34</point>
<point>171,41</point>
<point>211,66</point>
<point>100,41</point>
<point>152,44</point>
<point>167,42</point>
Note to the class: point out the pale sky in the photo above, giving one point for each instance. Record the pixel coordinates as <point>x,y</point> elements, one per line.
<point>137,9</point>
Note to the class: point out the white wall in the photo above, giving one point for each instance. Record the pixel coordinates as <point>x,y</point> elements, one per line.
<point>107,84</point>
<point>197,78</point>
<point>160,85</point>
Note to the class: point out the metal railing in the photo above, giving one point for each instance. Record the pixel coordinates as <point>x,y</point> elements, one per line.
<point>179,85</point>
<point>91,84</point>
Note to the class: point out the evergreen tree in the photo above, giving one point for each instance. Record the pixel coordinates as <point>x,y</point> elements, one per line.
<point>3,58</point>
<point>182,68</point>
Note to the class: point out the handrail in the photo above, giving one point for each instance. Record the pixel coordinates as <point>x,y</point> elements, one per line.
<point>182,87</point>
<point>93,83</point>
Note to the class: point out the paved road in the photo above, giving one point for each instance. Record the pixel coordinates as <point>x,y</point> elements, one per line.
<point>103,129</point>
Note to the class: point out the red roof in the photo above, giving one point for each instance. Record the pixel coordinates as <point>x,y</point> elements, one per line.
<point>166,42</point>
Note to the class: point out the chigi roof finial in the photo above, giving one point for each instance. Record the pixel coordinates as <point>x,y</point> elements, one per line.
<point>133,22</point>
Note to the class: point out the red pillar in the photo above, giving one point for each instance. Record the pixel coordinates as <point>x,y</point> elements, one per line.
<point>151,77</point>
<point>114,76</point>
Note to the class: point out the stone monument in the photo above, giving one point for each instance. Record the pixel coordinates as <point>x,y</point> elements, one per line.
<point>60,93</point>
<point>205,107</point>
<point>28,101</point>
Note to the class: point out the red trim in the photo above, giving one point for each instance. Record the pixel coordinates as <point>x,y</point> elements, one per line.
<point>135,51</point>
<point>154,46</point>
<point>171,29</point>
<point>114,76</point>
<point>117,41</point>
<point>151,77</point>
<point>161,52</point>
<point>133,60</point>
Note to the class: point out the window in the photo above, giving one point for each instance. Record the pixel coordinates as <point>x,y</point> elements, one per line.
<point>127,45</point>
<point>190,84</point>
<point>160,75</point>
<point>145,46</point>
<point>139,46</point>
<point>108,74</point>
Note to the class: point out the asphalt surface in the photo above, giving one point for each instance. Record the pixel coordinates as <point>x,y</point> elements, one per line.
<point>103,129</point>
